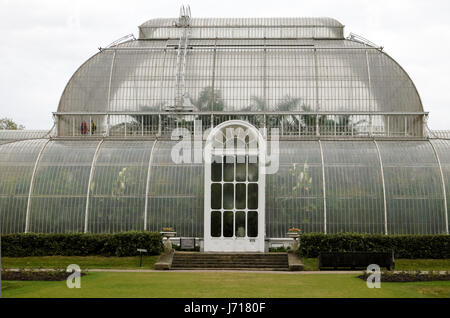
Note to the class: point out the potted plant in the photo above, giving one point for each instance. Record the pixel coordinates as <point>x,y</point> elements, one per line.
<point>168,232</point>
<point>294,232</point>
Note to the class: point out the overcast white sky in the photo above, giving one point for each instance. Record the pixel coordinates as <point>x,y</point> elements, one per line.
<point>44,42</point>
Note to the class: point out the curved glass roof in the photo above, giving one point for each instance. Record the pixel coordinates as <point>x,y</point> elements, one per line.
<point>281,72</point>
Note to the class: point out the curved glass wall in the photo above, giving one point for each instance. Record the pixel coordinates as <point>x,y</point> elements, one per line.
<point>58,200</point>
<point>443,151</point>
<point>354,188</point>
<point>118,186</point>
<point>414,194</point>
<point>294,195</point>
<point>176,193</point>
<point>17,162</point>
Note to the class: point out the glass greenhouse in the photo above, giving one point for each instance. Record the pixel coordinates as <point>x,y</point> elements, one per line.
<point>355,154</point>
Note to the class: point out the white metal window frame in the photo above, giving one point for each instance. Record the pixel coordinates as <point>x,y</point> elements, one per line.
<point>235,244</point>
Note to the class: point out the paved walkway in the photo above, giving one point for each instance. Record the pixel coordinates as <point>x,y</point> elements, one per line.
<point>221,271</point>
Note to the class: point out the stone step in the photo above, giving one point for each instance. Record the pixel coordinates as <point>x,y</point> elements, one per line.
<point>231,257</point>
<point>231,261</point>
<point>234,261</point>
<point>199,254</point>
<point>228,266</point>
<point>275,269</point>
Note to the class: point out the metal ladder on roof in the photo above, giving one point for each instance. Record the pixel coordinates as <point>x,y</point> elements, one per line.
<point>182,99</point>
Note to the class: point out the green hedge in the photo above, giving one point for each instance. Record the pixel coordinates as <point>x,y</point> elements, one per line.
<point>77,244</point>
<point>404,246</point>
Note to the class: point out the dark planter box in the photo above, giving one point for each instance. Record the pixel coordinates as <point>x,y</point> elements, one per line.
<point>355,260</point>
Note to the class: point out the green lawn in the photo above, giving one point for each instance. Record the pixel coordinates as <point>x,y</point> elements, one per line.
<point>311,264</point>
<point>222,285</point>
<point>85,262</point>
<point>89,262</point>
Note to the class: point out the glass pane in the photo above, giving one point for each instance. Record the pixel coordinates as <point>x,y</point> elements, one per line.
<point>216,196</point>
<point>240,224</point>
<point>216,223</point>
<point>228,226</point>
<point>252,223</point>
<point>228,196</point>
<point>228,169</point>
<point>216,169</point>
<point>252,168</point>
<point>175,193</point>
<point>253,196</point>
<point>240,195</point>
<point>118,189</point>
<point>240,168</point>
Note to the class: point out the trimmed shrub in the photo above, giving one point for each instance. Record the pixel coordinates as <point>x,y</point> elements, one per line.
<point>404,246</point>
<point>37,275</point>
<point>79,244</point>
<point>404,277</point>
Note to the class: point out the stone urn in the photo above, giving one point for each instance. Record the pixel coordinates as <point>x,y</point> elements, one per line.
<point>295,243</point>
<point>166,239</point>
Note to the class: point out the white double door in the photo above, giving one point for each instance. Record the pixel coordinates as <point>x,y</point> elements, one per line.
<point>234,203</point>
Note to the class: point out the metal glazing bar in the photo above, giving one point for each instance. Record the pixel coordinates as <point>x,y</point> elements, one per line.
<point>265,77</point>
<point>384,187</point>
<point>406,126</point>
<point>147,187</point>
<point>316,77</point>
<point>243,113</point>
<point>91,175</point>
<point>108,123</point>
<point>38,159</point>
<point>163,75</point>
<point>444,190</point>
<point>335,127</point>
<point>324,189</point>
<point>317,125</point>
<point>213,79</point>
<point>113,61</point>
<point>369,77</point>
<point>253,26</point>
<point>388,124</point>
<point>238,47</point>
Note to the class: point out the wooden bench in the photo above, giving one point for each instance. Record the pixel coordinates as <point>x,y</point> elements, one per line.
<point>355,260</point>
